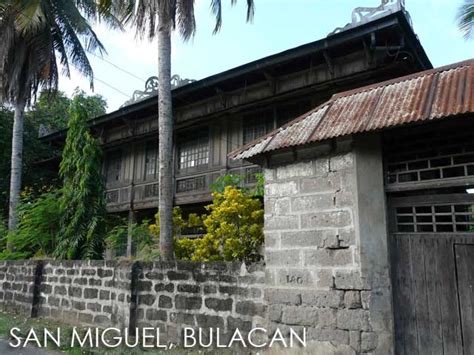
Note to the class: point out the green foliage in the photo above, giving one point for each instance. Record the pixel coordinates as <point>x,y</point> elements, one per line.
<point>3,231</point>
<point>223,181</point>
<point>33,150</point>
<point>238,182</point>
<point>184,248</point>
<point>38,227</point>
<point>233,229</point>
<point>143,242</point>
<point>259,188</point>
<point>83,222</point>
<point>53,112</point>
<point>178,223</point>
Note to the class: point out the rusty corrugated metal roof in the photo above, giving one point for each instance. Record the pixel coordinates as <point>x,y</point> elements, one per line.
<point>424,96</point>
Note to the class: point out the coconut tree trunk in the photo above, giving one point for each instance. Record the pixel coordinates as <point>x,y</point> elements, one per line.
<point>16,163</point>
<point>165,145</point>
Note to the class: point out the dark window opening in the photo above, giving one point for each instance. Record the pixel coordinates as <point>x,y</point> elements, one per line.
<point>114,166</point>
<point>257,125</point>
<point>151,160</point>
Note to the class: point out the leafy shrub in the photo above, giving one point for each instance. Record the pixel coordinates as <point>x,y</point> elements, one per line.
<point>3,227</point>
<point>143,242</point>
<point>233,229</point>
<point>83,224</point>
<point>233,180</point>
<point>178,223</point>
<point>182,251</point>
<point>238,182</point>
<point>38,227</point>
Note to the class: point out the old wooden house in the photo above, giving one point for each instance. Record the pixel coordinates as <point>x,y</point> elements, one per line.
<point>215,115</point>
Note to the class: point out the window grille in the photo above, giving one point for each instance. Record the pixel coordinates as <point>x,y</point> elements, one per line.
<point>458,217</point>
<point>191,184</point>
<point>194,150</point>
<point>430,156</point>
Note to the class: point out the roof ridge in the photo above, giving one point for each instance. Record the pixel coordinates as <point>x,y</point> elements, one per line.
<point>463,63</point>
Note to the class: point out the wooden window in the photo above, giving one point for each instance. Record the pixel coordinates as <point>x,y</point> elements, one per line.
<point>287,113</point>
<point>194,149</point>
<point>151,160</point>
<point>437,218</point>
<point>256,125</point>
<point>114,166</point>
<point>430,155</point>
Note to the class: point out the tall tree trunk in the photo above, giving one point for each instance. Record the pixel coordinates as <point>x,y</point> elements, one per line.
<point>165,145</point>
<point>16,164</point>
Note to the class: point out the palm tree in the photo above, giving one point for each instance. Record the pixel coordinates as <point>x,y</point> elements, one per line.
<point>465,18</point>
<point>32,35</point>
<point>158,18</point>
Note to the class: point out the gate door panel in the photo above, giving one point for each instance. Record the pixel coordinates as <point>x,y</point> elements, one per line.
<point>465,272</point>
<point>425,295</point>
<point>432,252</point>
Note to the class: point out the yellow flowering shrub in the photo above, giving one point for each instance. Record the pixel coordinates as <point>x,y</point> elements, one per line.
<point>233,229</point>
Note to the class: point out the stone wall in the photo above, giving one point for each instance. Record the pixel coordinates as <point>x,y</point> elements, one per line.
<point>17,280</point>
<point>128,295</point>
<point>218,295</point>
<point>315,271</point>
<point>90,292</point>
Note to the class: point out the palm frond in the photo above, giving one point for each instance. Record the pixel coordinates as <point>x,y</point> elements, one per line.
<point>465,19</point>
<point>250,10</point>
<point>29,15</point>
<point>216,9</point>
<point>185,18</point>
<point>33,32</point>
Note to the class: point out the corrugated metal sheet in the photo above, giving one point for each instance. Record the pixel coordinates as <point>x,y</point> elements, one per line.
<point>428,95</point>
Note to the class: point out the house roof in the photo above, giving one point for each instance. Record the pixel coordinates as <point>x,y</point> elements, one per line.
<point>252,72</point>
<point>425,96</point>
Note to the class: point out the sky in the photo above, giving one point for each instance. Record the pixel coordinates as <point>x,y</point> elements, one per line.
<point>278,25</point>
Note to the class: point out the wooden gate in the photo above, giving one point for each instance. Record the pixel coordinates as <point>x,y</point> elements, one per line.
<point>432,251</point>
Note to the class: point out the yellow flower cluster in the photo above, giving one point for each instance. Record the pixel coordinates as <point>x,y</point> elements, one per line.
<point>233,229</point>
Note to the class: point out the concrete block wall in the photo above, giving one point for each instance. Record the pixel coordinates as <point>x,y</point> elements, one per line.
<point>315,277</point>
<point>17,280</point>
<point>170,296</point>
<point>87,292</point>
<point>217,295</point>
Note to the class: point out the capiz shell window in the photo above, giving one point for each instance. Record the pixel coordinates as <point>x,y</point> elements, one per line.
<point>194,149</point>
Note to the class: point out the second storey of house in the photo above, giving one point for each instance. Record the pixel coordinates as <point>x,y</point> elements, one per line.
<point>218,114</point>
